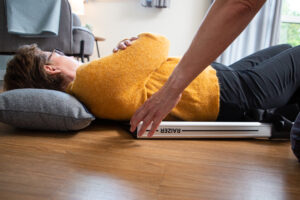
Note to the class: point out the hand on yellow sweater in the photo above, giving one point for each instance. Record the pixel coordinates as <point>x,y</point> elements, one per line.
<point>124,44</point>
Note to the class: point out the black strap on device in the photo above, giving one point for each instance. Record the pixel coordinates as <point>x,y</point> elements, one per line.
<point>282,118</point>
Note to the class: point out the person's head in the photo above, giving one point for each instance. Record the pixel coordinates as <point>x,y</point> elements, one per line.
<point>34,68</point>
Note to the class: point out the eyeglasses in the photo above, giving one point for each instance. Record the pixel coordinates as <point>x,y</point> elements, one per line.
<point>57,51</point>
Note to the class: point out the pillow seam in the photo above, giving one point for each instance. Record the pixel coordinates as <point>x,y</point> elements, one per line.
<point>62,116</point>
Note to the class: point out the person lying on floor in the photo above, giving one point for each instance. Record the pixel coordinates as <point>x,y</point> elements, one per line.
<point>114,87</point>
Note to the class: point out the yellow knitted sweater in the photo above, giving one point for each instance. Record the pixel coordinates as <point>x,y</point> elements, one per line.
<point>114,87</point>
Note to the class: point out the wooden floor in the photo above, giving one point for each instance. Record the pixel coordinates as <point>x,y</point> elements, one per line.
<point>105,162</point>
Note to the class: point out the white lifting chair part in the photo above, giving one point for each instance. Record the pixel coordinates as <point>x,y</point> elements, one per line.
<point>184,129</point>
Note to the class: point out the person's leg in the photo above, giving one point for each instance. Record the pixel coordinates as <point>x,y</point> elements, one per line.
<point>253,59</point>
<point>269,85</point>
<point>258,57</point>
<point>219,66</point>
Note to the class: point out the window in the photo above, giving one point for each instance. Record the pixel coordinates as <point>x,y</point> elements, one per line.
<point>290,22</point>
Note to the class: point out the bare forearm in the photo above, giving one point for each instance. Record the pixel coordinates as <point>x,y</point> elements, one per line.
<point>223,23</point>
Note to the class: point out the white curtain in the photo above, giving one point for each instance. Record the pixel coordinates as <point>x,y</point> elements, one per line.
<point>262,32</point>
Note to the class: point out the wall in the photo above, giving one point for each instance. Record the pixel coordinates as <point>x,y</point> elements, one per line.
<point>119,19</point>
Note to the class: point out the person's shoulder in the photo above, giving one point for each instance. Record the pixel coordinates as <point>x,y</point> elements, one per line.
<point>87,65</point>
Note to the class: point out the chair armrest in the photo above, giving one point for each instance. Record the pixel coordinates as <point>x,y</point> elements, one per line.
<point>83,34</point>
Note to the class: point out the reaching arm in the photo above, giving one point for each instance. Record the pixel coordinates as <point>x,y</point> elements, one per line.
<point>225,20</point>
<point>223,23</point>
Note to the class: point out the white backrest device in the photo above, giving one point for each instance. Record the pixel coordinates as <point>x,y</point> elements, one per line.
<point>184,129</point>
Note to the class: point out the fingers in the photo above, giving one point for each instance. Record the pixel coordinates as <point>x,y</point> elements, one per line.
<point>133,38</point>
<point>153,111</point>
<point>154,127</point>
<point>136,118</point>
<point>146,123</point>
<point>149,114</point>
<point>115,50</point>
<point>149,120</point>
<point>124,44</point>
<point>149,117</point>
<point>127,42</point>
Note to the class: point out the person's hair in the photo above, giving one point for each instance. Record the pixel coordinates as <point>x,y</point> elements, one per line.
<point>26,70</point>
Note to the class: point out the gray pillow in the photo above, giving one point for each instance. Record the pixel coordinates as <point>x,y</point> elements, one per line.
<point>42,109</point>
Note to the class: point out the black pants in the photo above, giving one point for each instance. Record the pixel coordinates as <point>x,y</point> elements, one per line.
<point>266,79</point>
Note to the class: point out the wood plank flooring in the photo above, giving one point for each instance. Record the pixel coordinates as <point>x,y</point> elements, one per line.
<point>105,162</point>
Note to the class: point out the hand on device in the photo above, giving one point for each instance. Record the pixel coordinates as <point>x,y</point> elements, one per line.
<point>153,111</point>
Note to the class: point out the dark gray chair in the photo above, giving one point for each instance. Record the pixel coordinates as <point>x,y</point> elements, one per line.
<point>72,39</point>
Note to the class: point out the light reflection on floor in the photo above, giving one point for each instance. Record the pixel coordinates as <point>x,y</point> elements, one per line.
<point>256,185</point>
<point>100,186</point>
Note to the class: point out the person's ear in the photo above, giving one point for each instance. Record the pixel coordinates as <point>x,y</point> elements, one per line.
<point>52,70</point>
